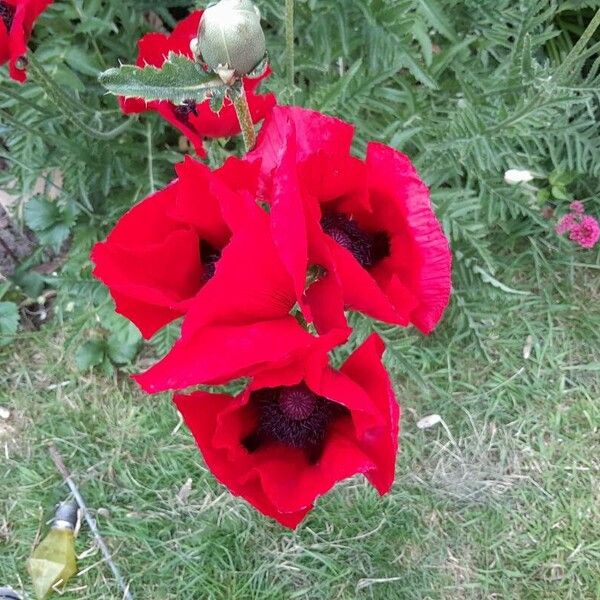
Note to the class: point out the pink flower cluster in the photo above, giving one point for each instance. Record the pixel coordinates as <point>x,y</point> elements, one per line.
<point>583,229</point>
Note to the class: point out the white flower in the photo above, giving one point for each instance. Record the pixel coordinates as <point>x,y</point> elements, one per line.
<point>515,176</point>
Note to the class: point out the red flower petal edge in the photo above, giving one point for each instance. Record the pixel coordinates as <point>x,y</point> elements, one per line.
<point>299,429</point>
<point>17,18</point>
<point>195,120</point>
<point>369,224</point>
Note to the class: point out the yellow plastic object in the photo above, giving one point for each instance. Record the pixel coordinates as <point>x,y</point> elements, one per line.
<point>54,561</point>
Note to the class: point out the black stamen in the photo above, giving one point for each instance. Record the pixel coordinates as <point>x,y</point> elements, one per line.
<point>367,248</point>
<point>7,14</point>
<point>209,255</point>
<point>184,110</point>
<point>294,416</point>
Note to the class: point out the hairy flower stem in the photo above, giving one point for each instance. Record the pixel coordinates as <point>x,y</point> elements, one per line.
<point>68,105</point>
<point>242,111</point>
<point>289,44</point>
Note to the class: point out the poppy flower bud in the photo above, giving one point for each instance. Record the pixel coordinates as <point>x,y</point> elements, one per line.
<point>230,39</point>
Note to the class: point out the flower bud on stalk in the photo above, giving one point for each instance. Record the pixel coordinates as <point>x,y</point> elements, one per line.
<point>230,39</point>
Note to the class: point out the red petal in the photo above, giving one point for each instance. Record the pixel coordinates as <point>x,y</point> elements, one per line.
<point>201,412</point>
<point>225,123</point>
<point>164,275</point>
<point>217,354</point>
<point>361,291</point>
<point>314,132</point>
<point>250,282</point>
<point>26,13</point>
<point>287,217</point>
<point>380,442</point>
<point>199,194</point>
<point>423,258</point>
<point>154,48</point>
<point>292,485</point>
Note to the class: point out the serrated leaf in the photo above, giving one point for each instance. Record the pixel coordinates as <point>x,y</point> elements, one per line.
<point>41,214</point>
<point>217,99</point>
<point>119,352</point>
<point>90,354</point>
<point>179,79</point>
<point>9,319</point>
<point>436,16</point>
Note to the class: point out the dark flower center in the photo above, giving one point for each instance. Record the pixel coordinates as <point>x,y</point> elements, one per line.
<point>367,248</point>
<point>184,110</point>
<point>7,14</point>
<point>209,255</point>
<point>294,416</point>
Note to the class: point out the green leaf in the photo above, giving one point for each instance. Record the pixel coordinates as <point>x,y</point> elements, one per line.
<point>217,99</point>
<point>41,214</point>
<point>82,62</point>
<point>9,319</point>
<point>31,282</point>
<point>436,16</point>
<point>90,354</point>
<point>561,178</point>
<point>559,192</point>
<point>543,195</point>
<point>178,80</point>
<point>120,352</point>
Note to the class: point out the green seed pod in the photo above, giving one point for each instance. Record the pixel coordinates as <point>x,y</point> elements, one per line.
<point>230,39</point>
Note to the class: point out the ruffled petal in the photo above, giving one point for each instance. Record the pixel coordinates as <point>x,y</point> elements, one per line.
<point>201,412</point>
<point>380,441</point>
<point>421,255</point>
<point>217,354</point>
<point>292,485</point>
<point>287,217</point>
<point>154,48</point>
<point>361,292</point>
<point>250,282</point>
<point>164,275</point>
<point>315,134</point>
<point>199,195</point>
<point>26,13</point>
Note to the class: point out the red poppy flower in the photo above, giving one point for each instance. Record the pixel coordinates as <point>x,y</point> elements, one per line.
<point>16,22</point>
<point>369,224</point>
<point>195,120</point>
<point>201,245</point>
<point>298,429</point>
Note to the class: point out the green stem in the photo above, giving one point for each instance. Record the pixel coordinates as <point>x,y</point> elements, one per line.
<point>52,89</point>
<point>150,157</point>
<point>289,43</point>
<point>23,100</point>
<point>242,111</point>
<point>67,105</point>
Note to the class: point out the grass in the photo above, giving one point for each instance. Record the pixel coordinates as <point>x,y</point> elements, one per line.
<point>501,500</point>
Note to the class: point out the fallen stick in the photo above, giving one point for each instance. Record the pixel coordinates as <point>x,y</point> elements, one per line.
<point>60,465</point>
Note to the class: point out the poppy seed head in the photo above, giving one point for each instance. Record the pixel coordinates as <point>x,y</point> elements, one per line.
<point>367,248</point>
<point>294,416</point>
<point>209,255</point>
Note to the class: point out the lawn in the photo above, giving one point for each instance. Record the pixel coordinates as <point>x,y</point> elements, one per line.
<point>500,500</point>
